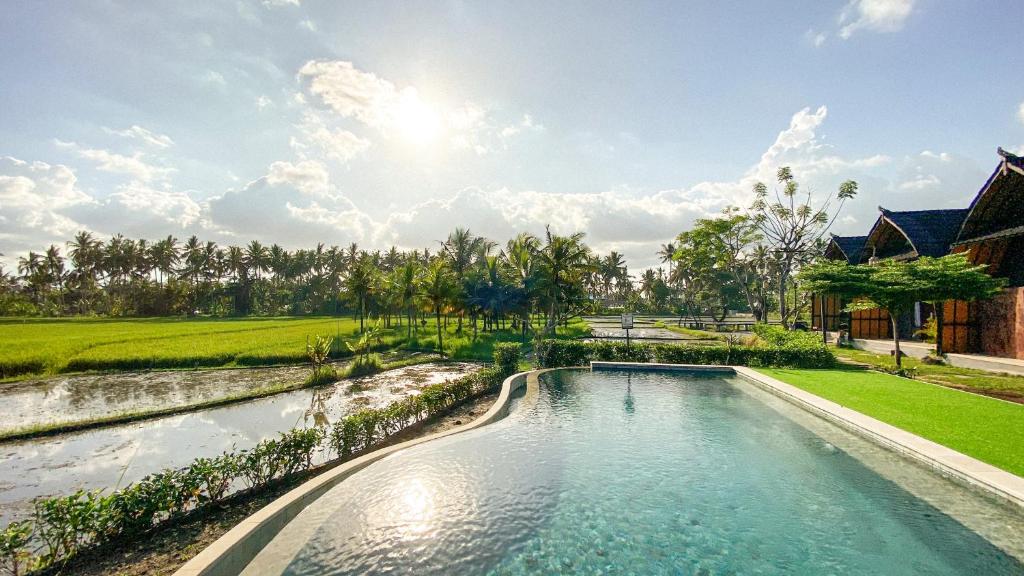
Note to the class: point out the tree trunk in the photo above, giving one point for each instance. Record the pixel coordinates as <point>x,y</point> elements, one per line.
<point>939,307</point>
<point>896,340</point>
<point>440,342</point>
<point>824,329</point>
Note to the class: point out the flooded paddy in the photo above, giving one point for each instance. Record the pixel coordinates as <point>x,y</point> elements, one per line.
<point>82,397</point>
<point>114,456</point>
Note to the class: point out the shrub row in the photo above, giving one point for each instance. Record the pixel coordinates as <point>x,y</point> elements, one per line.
<point>12,368</point>
<point>554,353</point>
<point>60,527</point>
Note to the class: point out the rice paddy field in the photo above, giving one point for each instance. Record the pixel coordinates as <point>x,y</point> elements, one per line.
<point>39,346</point>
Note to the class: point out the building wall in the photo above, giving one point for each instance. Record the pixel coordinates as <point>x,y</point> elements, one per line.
<point>1000,324</point>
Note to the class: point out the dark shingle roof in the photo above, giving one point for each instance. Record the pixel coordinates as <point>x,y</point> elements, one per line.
<point>999,205</point>
<point>930,231</point>
<point>850,246</point>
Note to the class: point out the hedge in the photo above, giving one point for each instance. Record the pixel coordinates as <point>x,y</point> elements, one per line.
<point>60,527</point>
<point>554,353</point>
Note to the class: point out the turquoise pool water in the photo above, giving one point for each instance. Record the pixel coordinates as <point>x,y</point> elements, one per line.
<point>646,473</point>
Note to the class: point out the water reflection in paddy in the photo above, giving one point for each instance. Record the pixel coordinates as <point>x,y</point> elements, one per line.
<point>117,455</point>
<point>80,397</point>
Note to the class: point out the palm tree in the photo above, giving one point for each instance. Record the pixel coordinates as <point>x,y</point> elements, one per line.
<point>666,254</point>
<point>461,248</point>
<point>407,280</point>
<point>30,267</point>
<point>164,257</point>
<point>437,287</point>
<point>360,283</point>
<point>54,264</point>
<point>257,258</point>
<point>561,260</point>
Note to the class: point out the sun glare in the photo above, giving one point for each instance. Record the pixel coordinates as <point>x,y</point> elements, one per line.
<point>417,122</point>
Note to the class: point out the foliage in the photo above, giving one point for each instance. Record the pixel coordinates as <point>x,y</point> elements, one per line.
<point>318,352</point>
<point>895,285</point>
<point>794,228</point>
<point>506,356</point>
<point>365,365</point>
<point>579,353</point>
<point>15,558</point>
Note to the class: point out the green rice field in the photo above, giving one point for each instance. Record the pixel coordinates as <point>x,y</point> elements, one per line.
<point>48,346</point>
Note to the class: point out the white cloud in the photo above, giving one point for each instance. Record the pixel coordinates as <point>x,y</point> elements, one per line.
<point>279,3</point>
<point>308,25</point>
<point>263,102</point>
<point>352,93</point>
<point>177,208</point>
<point>874,16</point>
<point>378,103</point>
<point>33,197</point>
<point>137,132</point>
<point>308,176</point>
<point>114,163</point>
<point>921,182</point>
<point>527,124</point>
<point>1020,113</point>
<point>337,144</point>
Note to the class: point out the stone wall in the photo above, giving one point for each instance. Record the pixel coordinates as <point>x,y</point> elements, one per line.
<point>1000,324</point>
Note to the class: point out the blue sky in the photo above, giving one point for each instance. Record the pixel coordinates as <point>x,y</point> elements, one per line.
<point>298,121</point>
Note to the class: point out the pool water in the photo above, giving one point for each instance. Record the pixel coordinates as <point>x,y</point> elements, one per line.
<point>647,473</point>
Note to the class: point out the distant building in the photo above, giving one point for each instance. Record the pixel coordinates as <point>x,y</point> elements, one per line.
<point>991,231</point>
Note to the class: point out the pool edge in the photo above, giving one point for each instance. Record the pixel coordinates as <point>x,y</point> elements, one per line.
<point>233,551</point>
<point>956,465</point>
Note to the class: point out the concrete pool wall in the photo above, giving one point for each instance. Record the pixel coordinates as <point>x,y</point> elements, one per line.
<point>230,554</point>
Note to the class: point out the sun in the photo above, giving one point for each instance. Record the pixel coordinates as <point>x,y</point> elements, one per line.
<point>417,122</point>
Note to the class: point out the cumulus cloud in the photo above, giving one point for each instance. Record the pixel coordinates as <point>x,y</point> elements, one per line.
<point>307,176</point>
<point>33,198</point>
<point>337,144</point>
<point>136,132</point>
<point>173,207</point>
<point>874,16</point>
<point>378,103</point>
<point>107,161</point>
<point>351,92</point>
<point>1020,112</point>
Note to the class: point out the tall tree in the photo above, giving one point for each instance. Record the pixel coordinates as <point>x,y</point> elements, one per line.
<point>794,228</point>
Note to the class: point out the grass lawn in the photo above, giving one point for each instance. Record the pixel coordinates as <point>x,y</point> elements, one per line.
<point>48,346</point>
<point>998,385</point>
<point>985,428</point>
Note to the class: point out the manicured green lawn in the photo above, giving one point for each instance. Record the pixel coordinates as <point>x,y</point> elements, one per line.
<point>988,429</point>
<point>998,385</point>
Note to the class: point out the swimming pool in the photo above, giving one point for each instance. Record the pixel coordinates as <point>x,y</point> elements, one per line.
<point>648,473</point>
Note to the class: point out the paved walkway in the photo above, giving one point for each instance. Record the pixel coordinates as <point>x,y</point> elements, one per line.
<point>922,349</point>
<point>609,328</point>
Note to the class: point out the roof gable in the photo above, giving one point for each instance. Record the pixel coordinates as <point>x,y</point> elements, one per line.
<point>928,232</point>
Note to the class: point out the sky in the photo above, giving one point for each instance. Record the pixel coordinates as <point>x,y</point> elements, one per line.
<point>391,123</point>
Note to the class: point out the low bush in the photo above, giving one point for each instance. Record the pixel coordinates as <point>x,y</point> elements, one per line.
<point>365,365</point>
<point>578,353</point>
<point>506,356</point>
<point>61,527</point>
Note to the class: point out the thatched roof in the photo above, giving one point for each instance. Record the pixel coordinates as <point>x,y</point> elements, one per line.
<point>998,209</point>
<point>913,233</point>
<point>845,248</point>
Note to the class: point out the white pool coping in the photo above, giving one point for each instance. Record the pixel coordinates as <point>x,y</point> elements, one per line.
<point>232,552</point>
<point>949,462</point>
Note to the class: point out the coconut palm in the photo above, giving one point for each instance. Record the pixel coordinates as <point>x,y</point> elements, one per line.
<point>438,288</point>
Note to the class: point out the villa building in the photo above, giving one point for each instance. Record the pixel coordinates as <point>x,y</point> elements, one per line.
<point>990,231</point>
